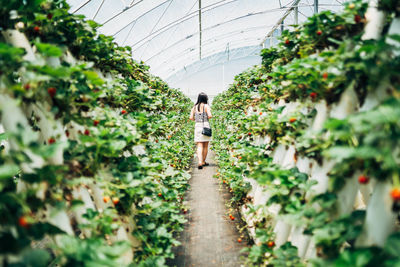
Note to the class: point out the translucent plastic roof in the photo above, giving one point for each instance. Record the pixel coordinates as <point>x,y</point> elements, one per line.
<point>166,34</point>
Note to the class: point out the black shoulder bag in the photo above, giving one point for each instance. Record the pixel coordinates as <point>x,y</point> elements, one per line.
<point>206,131</point>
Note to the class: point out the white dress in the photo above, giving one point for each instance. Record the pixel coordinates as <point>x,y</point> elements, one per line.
<point>201,119</point>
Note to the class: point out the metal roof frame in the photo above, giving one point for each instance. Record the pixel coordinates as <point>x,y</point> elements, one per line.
<point>163,34</point>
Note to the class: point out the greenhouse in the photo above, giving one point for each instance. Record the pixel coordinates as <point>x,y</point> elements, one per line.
<point>200,133</point>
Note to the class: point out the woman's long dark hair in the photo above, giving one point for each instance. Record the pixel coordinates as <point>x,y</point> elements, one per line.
<point>202,98</point>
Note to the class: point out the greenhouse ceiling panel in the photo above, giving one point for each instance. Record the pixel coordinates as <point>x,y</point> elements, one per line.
<point>170,35</point>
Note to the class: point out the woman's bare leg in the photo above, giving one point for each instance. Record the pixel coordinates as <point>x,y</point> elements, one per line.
<point>205,151</point>
<point>200,152</point>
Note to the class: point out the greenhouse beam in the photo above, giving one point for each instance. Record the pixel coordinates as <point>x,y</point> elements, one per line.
<point>203,42</point>
<point>180,20</point>
<point>199,29</point>
<point>134,21</point>
<point>81,6</point>
<point>98,9</point>
<point>211,27</point>
<point>295,3</point>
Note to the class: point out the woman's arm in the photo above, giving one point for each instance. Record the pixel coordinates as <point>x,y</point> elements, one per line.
<point>208,110</point>
<point>192,114</point>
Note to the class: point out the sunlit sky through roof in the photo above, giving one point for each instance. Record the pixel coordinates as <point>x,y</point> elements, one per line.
<point>166,36</point>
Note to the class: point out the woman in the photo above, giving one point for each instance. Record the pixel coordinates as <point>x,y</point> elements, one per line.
<point>201,113</point>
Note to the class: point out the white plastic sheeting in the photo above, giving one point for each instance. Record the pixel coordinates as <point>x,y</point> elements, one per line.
<point>165,34</point>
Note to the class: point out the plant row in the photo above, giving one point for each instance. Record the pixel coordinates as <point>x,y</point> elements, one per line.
<point>316,129</point>
<point>93,148</point>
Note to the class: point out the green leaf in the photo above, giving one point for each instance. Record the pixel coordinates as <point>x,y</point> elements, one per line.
<point>93,77</point>
<point>150,226</point>
<point>49,50</point>
<point>359,258</point>
<point>392,245</point>
<point>395,37</point>
<point>38,230</point>
<point>118,145</point>
<point>8,170</point>
<point>36,258</point>
<point>4,136</point>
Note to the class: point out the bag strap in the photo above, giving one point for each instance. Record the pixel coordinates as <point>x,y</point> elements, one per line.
<point>204,109</point>
<point>204,113</point>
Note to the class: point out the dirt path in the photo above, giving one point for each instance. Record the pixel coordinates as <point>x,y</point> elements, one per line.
<point>210,237</point>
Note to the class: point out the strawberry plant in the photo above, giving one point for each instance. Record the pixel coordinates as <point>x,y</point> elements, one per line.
<point>93,140</point>
<point>314,68</point>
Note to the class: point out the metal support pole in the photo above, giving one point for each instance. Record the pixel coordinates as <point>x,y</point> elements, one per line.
<point>269,34</point>
<point>296,15</point>
<point>223,76</point>
<point>228,52</point>
<point>200,29</point>
<point>315,6</point>
<point>282,27</point>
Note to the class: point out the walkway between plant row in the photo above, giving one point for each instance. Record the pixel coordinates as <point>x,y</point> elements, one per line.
<point>210,238</point>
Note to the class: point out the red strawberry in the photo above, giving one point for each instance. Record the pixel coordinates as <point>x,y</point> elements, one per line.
<point>319,32</point>
<point>357,18</point>
<point>96,122</point>
<point>292,119</point>
<point>159,194</point>
<point>52,91</point>
<point>260,113</point>
<point>27,86</point>
<point>123,112</point>
<point>51,140</point>
<point>313,94</point>
<point>115,200</point>
<point>36,28</point>
<point>271,244</point>
<point>87,132</point>
<point>23,222</point>
<point>395,193</point>
<point>49,16</point>
<point>106,199</point>
<point>362,179</point>
<point>325,75</point>
<point>239,240</point>
<point>67,133</point>
<point>249,134</point>
<point>287,41</point>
